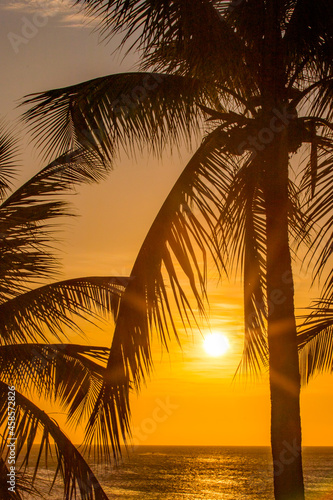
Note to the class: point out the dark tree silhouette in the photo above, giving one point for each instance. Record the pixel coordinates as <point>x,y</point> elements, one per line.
<point>260,73</point>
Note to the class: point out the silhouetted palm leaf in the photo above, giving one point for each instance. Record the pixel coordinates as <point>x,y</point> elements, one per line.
<point>8,153</point>
<point>320,214</point>
<point>174,249</point>
<point>55,307</point>
<point>151,25</point>
<point>242,232</point>
<point>76,474</point>
<point>68,374</point>
<point>117,110</point>
<point>315,334</point>
<point>316,340</point>
<point>26,220</point>
<point>308,37</point>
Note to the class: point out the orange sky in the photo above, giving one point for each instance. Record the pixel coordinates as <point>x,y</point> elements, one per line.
<point>192,398</point>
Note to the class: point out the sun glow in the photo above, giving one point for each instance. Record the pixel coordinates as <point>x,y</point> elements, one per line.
<point>216,344</point>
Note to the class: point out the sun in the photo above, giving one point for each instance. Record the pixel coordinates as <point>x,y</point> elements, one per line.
<point>216,344</point>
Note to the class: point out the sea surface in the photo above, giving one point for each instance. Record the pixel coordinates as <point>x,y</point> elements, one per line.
<point>205,473</point>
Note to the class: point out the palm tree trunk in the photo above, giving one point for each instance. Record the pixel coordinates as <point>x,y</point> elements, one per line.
<point>282,342</point>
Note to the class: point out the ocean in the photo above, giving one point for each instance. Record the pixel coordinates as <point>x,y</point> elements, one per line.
<point>206,473</point>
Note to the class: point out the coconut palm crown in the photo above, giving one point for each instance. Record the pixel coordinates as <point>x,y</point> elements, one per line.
<point>255,78</point>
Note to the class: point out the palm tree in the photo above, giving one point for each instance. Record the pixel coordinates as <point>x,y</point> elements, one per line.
<point>36,358</point>
<point>260,73</point>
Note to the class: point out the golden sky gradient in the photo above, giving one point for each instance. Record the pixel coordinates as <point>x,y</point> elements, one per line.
<point>192,398</point>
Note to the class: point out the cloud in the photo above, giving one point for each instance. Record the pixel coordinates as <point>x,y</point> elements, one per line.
<point>78,19</point>
<point>69,15</point>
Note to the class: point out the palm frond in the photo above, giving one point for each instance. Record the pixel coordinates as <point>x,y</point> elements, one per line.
<point>322,103</point>
<point>317,356</point>
<point>68,374</point>
<point>150,24</point>
<point>117,110</point>
<point>75,472</point>
<point>319,319</point>
<point>55,307</point>
<point>26,220</point>
<point>308,36</point>
<point>8,152</point>
<point>255,352</point>
<point>242,232</point>
<point>319,212</point>
<point>176,246</point>
<point>251,241</point>
<point>209,50</point>
<point>315,340</point>
<point>300,224</point>
<point>181,38</point>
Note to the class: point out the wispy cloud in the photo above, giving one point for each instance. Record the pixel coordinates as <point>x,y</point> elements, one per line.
<point>67,14</point>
